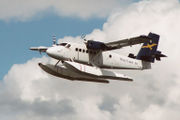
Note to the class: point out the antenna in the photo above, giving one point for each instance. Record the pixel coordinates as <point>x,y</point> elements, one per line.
<point>83,36</point>
<point>54,40</point>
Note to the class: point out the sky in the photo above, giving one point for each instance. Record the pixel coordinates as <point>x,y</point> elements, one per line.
<point>17,37</point>
<point>28,93</point>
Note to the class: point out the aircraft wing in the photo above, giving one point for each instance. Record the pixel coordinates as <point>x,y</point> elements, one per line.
<point>40,49</point>
<point>126,42</point>
<point>100,46</point>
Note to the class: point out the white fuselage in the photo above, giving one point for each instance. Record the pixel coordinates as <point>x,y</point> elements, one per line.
<point>103,59</point>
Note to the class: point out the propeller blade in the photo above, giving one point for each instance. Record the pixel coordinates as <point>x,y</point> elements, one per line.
<point>54,40</point>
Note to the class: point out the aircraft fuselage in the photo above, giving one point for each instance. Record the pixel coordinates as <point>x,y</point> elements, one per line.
<point>103,59</point>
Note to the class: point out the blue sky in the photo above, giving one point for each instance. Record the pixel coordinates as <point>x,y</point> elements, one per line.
<point>17,36</point>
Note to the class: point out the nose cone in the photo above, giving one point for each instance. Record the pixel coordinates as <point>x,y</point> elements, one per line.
<point>52,52</point>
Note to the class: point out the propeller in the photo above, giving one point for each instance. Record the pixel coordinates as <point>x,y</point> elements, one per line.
<point>54,40</point>
<point>83,36</point>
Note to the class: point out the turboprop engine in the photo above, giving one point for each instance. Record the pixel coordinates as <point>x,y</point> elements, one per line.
<point>95,45</point>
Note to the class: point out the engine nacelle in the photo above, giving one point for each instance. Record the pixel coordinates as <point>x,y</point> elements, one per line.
<point>96,45</point>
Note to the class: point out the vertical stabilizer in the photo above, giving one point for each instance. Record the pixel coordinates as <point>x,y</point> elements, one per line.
<point>149,49</point>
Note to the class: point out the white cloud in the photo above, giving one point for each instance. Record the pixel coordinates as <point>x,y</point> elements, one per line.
<point>27,92</point>
<point>26,9</point>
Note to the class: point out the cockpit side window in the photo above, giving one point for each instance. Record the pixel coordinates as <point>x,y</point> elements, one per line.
<point>68,45</point>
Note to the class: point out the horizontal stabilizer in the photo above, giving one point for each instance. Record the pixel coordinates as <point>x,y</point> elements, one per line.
<point>158,55</point>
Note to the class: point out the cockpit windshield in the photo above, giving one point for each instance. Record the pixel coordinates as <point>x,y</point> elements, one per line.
<point>65,45</point>
<point>62,44</point>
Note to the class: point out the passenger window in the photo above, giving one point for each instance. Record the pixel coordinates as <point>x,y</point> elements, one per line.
<point>87,51</point>
<point>110,56</point>
<point>79,50</point>
<point>83,50</point>
<point>76,49</point>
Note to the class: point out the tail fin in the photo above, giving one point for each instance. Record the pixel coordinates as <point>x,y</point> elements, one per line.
<point>149,52</point>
